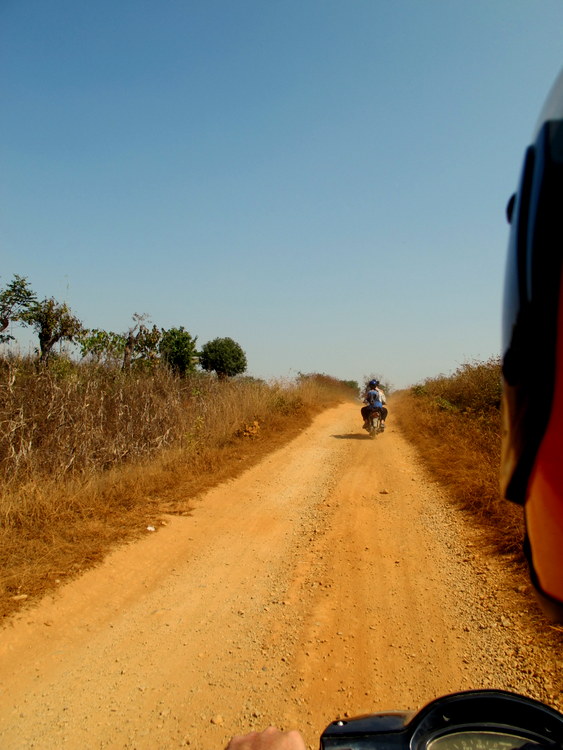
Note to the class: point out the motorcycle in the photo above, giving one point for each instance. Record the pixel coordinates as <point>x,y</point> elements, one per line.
<point>471,720</point>
<point>374,423</point>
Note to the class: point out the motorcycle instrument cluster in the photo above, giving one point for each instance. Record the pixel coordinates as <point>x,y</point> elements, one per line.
<point>472,720</point>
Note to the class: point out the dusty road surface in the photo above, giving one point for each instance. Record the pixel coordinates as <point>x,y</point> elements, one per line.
<point>333,578</point>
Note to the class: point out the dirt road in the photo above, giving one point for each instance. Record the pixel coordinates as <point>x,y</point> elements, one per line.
<point>333,577</point>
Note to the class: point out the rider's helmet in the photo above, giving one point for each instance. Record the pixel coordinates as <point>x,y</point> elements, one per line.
<point>374,383</point>
<point>532,431</point>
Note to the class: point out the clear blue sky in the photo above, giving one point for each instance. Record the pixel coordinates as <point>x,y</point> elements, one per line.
<point>322,180</point>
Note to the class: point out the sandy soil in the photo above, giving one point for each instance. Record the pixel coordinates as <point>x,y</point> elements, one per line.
<point>334,578</point>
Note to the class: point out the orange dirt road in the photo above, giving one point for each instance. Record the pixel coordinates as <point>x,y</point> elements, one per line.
<point>332,578</point>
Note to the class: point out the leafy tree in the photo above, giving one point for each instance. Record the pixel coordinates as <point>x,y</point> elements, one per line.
<point>352,384</point>
<point>141,343</point>
<point>53,322</point>
<point>178,349</point>
<point>15,299</point>
<point>102,345</point>
<point>139,346</point>
<point>224,356</point>
<point>146,345</point>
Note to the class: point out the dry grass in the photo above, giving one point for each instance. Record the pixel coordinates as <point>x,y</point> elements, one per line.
<point>90,457</point>
<point>455,423</point>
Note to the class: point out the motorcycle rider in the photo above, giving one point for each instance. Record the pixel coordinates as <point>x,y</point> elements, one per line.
<point>374,398</point>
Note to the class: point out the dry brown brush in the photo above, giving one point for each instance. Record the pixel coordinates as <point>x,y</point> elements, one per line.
<point>90,455</point>
<point>455,423</point>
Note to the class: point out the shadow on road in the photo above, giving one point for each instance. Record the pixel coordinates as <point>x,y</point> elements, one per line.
<point>352,436</point>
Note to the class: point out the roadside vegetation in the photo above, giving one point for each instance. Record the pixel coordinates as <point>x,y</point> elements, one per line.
<point>103,433</point>
<point>90,455</point>
<point>454,421</point>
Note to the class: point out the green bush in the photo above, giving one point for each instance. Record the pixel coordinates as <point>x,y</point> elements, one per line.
<point>178,349</point>
<point>223,356</point>
<point>474,388</point>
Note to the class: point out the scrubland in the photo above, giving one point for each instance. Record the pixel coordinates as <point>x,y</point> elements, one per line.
<point>455,423</point>
<point>90,456</point>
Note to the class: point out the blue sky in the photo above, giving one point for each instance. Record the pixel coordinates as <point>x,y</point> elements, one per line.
<point>322,180</point>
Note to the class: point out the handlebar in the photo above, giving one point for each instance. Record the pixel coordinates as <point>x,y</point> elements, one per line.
<point>471,720</point>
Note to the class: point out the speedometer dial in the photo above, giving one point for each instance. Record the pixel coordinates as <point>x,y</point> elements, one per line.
<point>480,741</point>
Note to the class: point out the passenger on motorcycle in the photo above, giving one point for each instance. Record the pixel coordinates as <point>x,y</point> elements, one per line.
<point>374,399</point>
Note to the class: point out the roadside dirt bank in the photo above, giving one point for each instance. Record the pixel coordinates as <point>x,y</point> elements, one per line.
<point>334,577</point>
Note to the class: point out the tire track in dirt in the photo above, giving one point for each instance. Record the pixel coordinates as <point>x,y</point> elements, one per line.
<point>332,577</point>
